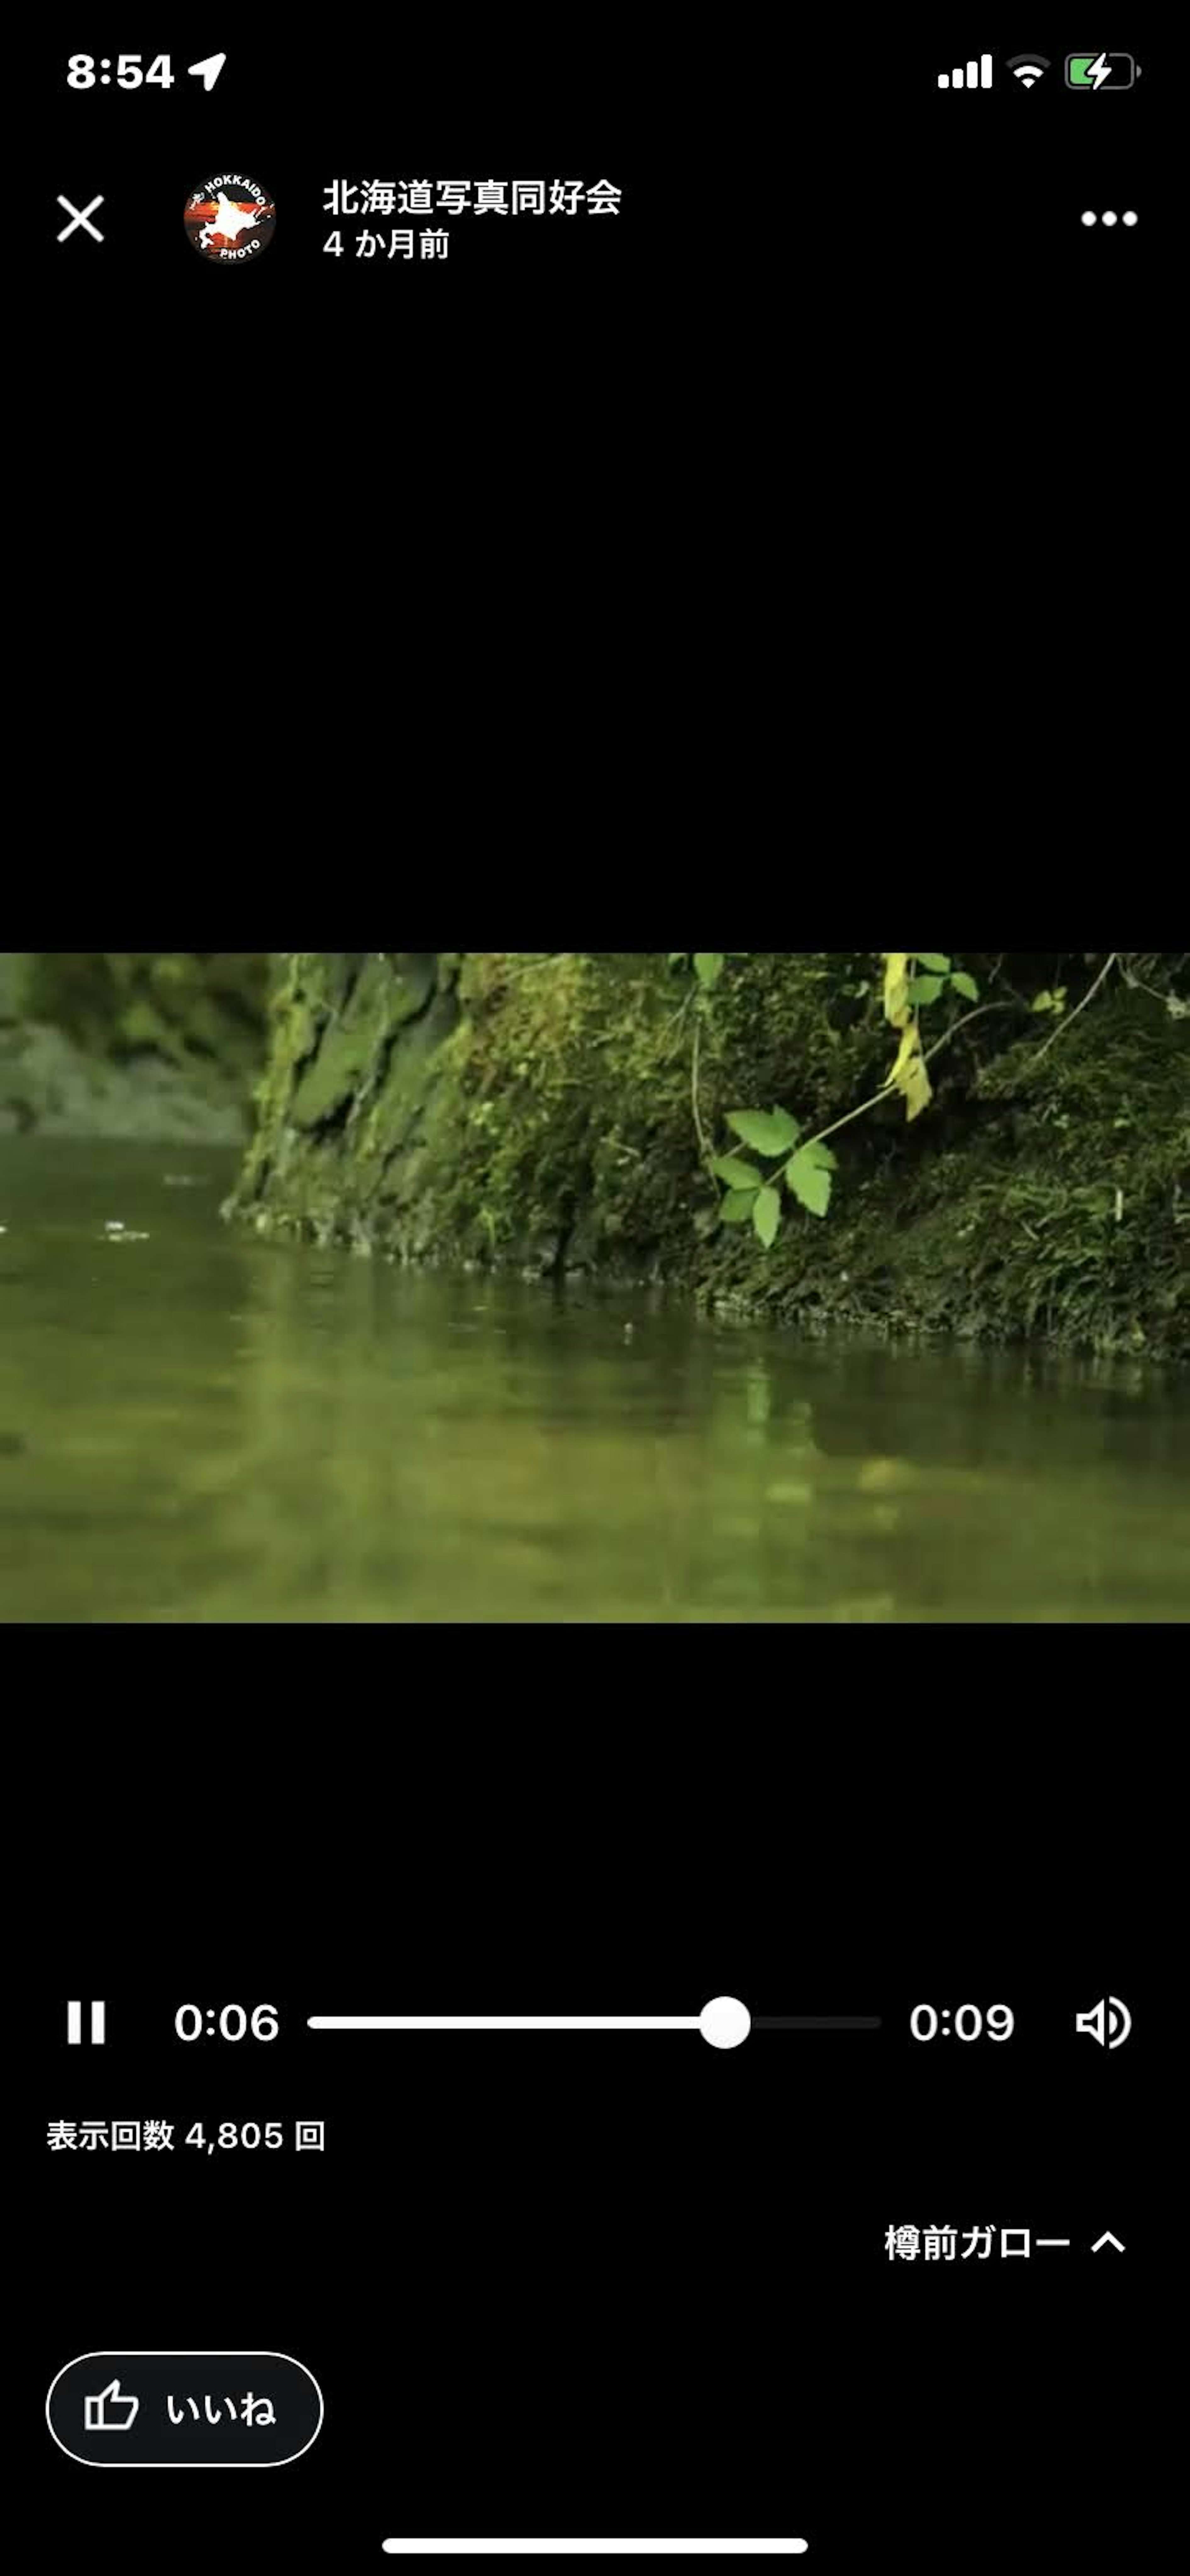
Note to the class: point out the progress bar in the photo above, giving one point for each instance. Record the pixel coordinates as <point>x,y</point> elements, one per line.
<point>596,2548</point>
<point>723,2023</point>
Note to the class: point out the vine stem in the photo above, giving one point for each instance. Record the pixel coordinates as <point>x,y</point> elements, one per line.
<point>890,1086</point>
<point>1101,978</point>
<point>699,1129</point>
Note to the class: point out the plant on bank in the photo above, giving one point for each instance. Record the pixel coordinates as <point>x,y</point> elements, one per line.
<point>804,1167</point>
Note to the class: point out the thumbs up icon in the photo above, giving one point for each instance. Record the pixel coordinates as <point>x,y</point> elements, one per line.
<point>104,2414</point>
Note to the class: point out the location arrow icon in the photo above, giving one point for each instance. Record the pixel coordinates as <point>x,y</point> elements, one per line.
<point>208,72</point>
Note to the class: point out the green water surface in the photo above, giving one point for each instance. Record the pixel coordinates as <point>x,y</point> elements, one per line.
<point>199,1424</point>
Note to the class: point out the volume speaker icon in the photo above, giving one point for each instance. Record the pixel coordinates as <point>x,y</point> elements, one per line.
<point>1028,68</point>
<point>1109,2021</point>
<point>74,2025</point>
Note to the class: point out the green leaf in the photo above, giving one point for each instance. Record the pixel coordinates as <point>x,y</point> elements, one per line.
<point>810,1181</point>
<point>934,965</point>
<point>709,967</point>
<point>817,1152</point>
<point>766,1217</point>
<point>738,1174</point>
<point>768,1131</point>
<point>737,1207</point>
<point>925,988</point>
<point>966,985</point>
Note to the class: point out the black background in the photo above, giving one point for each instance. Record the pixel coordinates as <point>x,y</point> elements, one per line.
<point>591,2283</point>
<point>537,531</point>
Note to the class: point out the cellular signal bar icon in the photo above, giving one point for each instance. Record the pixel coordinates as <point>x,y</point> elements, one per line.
<point>977,76</point>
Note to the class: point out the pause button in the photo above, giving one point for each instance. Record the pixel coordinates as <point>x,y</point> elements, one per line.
<point>74,2024</point>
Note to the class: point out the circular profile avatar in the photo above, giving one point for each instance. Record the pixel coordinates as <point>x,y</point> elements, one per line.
<point>231,219</point>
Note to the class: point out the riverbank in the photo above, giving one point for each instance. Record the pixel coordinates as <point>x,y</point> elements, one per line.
<point>551,1116</point>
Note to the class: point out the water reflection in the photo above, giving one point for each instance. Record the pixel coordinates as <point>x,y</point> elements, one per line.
<point>198,1424</point>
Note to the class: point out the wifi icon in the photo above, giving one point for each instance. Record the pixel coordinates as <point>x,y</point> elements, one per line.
<point>1028,68</point>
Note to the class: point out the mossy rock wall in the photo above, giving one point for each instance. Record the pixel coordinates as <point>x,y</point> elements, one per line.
<point>538,1112</point>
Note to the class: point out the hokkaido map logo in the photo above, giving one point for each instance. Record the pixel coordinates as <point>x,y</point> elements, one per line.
<point>230,219</point>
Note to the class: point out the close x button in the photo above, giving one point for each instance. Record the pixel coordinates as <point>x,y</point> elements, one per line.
<point>185,2410</point>
<point>80,219</point>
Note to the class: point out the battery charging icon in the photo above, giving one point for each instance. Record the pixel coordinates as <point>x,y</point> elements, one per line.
<point>1101,71</point>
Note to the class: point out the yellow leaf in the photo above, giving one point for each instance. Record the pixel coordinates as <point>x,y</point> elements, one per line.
<point>909,1073</point>
<point>909,1047</point>
<point>918,1089</point>
<point>897,1005</point>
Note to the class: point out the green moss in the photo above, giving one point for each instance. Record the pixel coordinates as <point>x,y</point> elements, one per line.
<point>536,1111</point>
<point>1038,1199</point>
